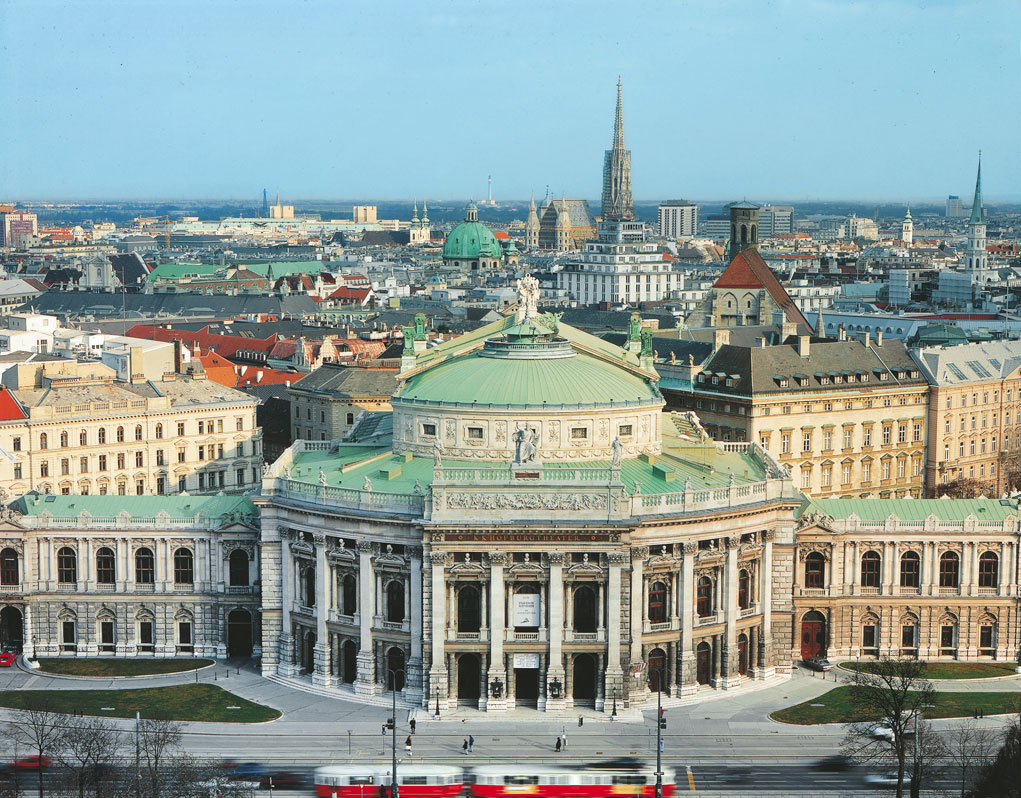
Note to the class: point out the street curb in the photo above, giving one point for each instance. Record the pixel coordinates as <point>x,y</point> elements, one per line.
<point>954,681</point>
<point>37,671</point>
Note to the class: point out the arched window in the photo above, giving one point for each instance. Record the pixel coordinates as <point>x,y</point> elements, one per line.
<point>744,582</point>
<point>704,597</point>
<point>120,434</point>
<point>43,441</point>
<point>63,439</point>
<point>349,593</point>
<point>106,572</point>
<point>657,602</point>
<point>395,601</point>
<point>238,568</point>
<point>988,570</point>
<point>949,570</point>
<point>308,579</point>
<point>870,567</point>
<point>910,569</point>
<point>138,432</point>
<point>9,567</point>
<point>585,611</point>
<point>815,569</point>
<point>83,438</point>
<point>159,430</point>
<point>145,573</point>
<point>469,608</point>
<point>184,567</point>
<point>102,434</point>
<point>67,566</point>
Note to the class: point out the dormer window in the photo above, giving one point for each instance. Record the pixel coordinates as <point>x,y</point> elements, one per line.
<point>784,382</point>
<point>716,380</point>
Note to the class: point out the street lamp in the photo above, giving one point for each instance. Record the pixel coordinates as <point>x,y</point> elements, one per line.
<point>660,722</point>
<point>437,715</point>
<point>614,713</point>
<point>394,792</point>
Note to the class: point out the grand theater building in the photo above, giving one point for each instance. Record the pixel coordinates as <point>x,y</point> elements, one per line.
<point>527,528</point>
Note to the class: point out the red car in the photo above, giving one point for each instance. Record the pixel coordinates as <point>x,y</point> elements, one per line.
<point>33,762</point>
<point>7,658</point>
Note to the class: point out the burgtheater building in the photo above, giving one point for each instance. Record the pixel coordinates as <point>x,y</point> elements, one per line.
<point>535,531</point>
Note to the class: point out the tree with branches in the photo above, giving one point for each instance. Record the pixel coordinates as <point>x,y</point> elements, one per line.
<point>893,693</point>
<point>89,748</point>
<point>159,740</point>
<point>39,731</point>
<point>968,747</point>
<point>1000,778</point>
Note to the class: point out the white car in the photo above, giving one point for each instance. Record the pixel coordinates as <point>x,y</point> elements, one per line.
<point>882,732</point>
<point>885,780</point>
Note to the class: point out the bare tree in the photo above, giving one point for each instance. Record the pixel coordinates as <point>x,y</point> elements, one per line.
<point>88,749</point>
<point>37,730</point>
<point>926,756</point>
<point>968,747</point>
<point>999,778</point>
<point>159,740</point>
<point>891,693</point>
<point>965,488</point>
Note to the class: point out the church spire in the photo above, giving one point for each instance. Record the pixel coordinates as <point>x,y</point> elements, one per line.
<point>617,200</point>
<point>618,122</point>
<point>977,214</point>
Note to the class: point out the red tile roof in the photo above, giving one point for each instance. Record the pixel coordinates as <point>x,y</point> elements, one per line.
<point>749,270</point>
<point>10,407</point>
<point>227,345</point>
<point>260,375</point>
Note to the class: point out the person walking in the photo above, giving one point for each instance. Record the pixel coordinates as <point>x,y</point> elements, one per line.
<point>471,744</point>
<point>557,746</point>
<point>407,745</point>
<point>464,746</point>
<point>412,724</point>
<point>662,743</point>
<point>563,740</point>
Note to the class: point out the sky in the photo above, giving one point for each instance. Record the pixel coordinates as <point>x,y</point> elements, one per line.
<point>804,99</point>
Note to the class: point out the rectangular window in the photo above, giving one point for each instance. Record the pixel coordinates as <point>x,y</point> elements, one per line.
<point>579,433</point>
<point>806,442</point>
<point>16,443</point>
<point>145,635</point>
<point>985,639</point>
<point>868,638</point>
<point>907,636</point>
<point>202,481</point>
<point>241,478</point>
<point>184,634</point>
<point>83,465</point>
<point>138,459</point>
<point>140,487</point>
<point>848,438</point>
<point>44,469</point>
<point>887,435</point>
<point>17,471</point>
<point>867,436</point>
<point>475,433</point>
<point>900,468</point>
<point>827,440</point>
<point>181,458</point>
<point>846,472</point>
<point>240,427</point>
<point>827,475</point>
<point>219,425</point>
<point>102,462</point>
<point>430,430</point>
<point>180,433</point>
<point>161,485</point>
<point>785,443</point>
<point>182,484</point>
<point>202,428</point>
<point>159,457</point>
<point>65,466</point>
<point>67,635</point>
<point>120,460</point>
<point>624,431</point>
<point>902,433</point>
<point>866,472</point>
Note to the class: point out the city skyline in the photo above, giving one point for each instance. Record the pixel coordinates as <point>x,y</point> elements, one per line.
<point>321,105</point>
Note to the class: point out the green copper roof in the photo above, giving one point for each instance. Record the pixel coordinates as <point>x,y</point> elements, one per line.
<point>472,240</point>
<point>987,510</point>
<point>579,381</point>
<point>109,506</point>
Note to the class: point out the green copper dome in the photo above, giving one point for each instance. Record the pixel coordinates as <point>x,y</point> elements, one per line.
<point>471,239</point>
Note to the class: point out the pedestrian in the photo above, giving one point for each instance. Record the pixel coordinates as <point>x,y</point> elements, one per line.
<point>464,746</point>
<point>382,730</point>
<point>557,747</point>
<point>412,724</point>
<point>662,743</point>
<point>407,745</point>
<point>471,744</point>
<point>563,740</point>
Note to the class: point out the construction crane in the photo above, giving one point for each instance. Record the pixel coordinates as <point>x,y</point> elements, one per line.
<point>166,231</point>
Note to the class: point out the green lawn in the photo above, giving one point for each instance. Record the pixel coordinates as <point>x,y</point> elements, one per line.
<point>836,707</point>
<point>949,670</point>
<point>203,702</point>
<point>108,666</point>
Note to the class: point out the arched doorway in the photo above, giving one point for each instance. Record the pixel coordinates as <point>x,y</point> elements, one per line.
<point>349,660</point>
<point>742,654</point>
<point>238,568</point>
<point>308,653</point>
<point>469,679</point>
<point>395,666</point>
<point>703,662</point>
<point>469,609</point>
<point>239,633</point>
<point>585,615</point>
<point>813,635</point>
<point>12,629</point>
<point>659,679</point>
<point>586,672</point>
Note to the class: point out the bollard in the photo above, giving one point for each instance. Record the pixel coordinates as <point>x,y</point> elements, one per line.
<point>581,721</point>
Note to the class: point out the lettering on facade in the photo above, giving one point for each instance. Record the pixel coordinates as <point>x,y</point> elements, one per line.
<point>525,501</point>
<point>527,537</point>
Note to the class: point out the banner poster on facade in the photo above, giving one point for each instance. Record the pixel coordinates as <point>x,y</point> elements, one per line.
<point>526,661</point>
<point>526,609</point>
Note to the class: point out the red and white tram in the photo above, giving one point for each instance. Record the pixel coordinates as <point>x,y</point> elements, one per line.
<point>364,781</point>
<point>551,781</point>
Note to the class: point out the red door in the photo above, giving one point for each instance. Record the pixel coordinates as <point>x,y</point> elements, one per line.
<point>813,635</point>
<point>703,656</point>
<point>742,655</point>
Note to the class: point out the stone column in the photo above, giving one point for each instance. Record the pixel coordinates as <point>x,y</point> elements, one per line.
<point>969,562</point>
<point>614,673</point>
<point>438,598</point>
<point>322,676</point>
<point>556,632</point>
<point>767,660</point>
<point>497,620</point>
<point>714,677</point>
<point>889,558</point>
<point>638,688</point>
<point>686,677</point>
<point>285,642</point>
<point>934,569</point>
<point>729,676</point>
<point>413,683</point>
<point>1005,568</point>
<point>365,684</point>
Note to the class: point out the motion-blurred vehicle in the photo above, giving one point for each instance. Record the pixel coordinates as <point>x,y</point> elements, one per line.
<point>818,664</point>
<point>885,780</point>
<point>33,762</point>
<point>838,763</point>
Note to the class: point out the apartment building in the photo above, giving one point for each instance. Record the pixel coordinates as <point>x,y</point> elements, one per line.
<point>326,403</point>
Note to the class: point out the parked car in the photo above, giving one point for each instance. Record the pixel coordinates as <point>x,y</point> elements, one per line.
<point>33,762</point>
<point>7,659</point>
<point>816,664</point>
<point>885,779</point>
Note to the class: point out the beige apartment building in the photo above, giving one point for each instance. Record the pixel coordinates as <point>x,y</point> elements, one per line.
<point>974,414</point>
<point>326,403</point>
<point>847,417</point>
<point>72,428</point>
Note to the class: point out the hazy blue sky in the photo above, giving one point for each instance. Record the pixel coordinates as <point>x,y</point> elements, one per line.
<point>799,99</point>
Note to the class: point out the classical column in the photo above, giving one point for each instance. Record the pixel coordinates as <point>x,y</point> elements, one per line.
<point>322,676</point>
<point>687,685</point>
<point>366,682</point>
<point>556,632</point>
<point>638,688</point>
<point>497,605</point>
<point>285,643</point>
<point>438,599</point>
<point>1005,568</point>
<point>969,582</point>
<point>889,558</point>
<point>413,683</point>
<point>767,659</point>
<point>933,569</point>
<point>614,673</point>
<point>729,655</point>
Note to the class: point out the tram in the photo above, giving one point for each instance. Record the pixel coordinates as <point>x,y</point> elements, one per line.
<point>593,780</point>
<point>364,781</point>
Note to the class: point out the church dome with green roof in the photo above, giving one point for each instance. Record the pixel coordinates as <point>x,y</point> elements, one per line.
<point>471,244</point>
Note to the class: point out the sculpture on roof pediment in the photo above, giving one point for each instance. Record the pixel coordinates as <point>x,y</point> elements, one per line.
<point>266,468</point>
<point>948,546</point>
<point>815,519</point>
<point>526,444</point>
<point>552,320</point>
<point>409,340</point>
<point>9,515</point>
<point>804,549</point>
<point>417,489</point>
<point>17,545</point>
<point>528,298</point>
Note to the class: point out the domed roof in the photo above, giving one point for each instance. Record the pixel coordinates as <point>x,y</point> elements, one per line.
<point>471,239</point>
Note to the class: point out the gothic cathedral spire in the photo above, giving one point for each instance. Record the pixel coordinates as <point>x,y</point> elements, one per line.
<point>617,201</point>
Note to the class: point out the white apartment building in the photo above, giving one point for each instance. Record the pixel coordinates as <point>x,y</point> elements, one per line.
<point>620,267</point>
<point>677,219</point>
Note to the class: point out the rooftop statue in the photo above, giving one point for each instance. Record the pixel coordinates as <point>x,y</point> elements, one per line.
<point>528,298</point>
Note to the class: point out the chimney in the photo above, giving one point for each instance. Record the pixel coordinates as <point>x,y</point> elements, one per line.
<point>178,358</point>
<point>868,340</point>
<point>721,338</point>
<point>879,337</point>
<point>803,345</point>
<point>788,328</point>
<point>842,333</point>
<point>762,342</point>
